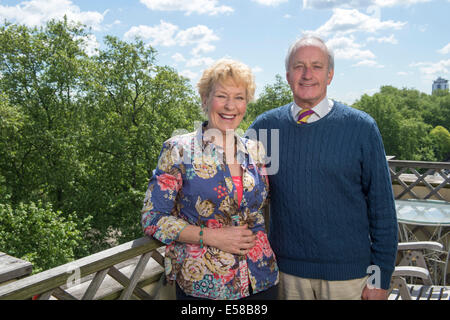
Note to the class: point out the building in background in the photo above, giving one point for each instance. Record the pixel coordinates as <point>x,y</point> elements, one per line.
<point>439,84</point>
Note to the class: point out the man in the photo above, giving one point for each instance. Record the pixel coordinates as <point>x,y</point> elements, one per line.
<point>332,219</point>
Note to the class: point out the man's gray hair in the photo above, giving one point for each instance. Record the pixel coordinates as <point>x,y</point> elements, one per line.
<point>310,40</point>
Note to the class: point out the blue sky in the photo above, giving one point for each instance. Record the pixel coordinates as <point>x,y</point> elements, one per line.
<point>403,43</point>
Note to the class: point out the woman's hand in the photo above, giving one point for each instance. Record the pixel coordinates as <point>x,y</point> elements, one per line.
<point>235,240</point>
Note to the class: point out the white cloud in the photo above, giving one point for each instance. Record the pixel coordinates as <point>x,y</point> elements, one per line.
<point>272,3</point>
<point>257,69</point>
<point>393,3</point>
<point>344,24</point>
<point>167,34</point>
<point>178,57</point>
<point>162,34</point>
<point>403,73</point>
<point>202,47</point>
<point>329,4</point>
<point>196,35</point>
<point>192,6</point>
<point>431,70</point>
<point>346,48</point>
<point>347,21</point>
<point>391,39</point>
<point>189,74</point>
<point>445,50</point>
<point>199,61</point>
<point>368,63</point>
<point>200,36</point>
<point>38,12</point>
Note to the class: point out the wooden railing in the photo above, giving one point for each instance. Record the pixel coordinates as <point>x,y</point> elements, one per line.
<point>420,179</point>
<point>117,273</point>
<point>123,272</point>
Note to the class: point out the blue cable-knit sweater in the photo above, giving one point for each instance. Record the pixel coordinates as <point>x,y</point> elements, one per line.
<point>332,211</point>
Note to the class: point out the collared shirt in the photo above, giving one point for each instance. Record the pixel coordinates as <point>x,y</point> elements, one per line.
<point>192,185</point>
<point>320,110</point>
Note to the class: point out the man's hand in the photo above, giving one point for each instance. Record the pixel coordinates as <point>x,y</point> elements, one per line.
<point>372,293</point>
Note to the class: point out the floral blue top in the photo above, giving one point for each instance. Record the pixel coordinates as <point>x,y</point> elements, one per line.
<point>192,185</point>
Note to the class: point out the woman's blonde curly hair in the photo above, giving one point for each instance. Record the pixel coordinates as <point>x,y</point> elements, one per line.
<point>223,71</point>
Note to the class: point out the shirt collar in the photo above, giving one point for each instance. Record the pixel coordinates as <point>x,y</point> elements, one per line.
<point>206,143</point>
<point>321,109</point>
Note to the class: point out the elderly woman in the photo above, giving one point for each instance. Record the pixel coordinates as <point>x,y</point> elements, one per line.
<point>205,200</point>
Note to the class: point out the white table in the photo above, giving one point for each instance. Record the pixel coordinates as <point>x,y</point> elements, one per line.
<point>424,215</point>
<point>434,213</point>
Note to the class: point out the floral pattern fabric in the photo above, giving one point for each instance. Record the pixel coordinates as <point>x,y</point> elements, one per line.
<point>192,185</point>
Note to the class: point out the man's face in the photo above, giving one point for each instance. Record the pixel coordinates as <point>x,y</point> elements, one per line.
<point>308,76</point>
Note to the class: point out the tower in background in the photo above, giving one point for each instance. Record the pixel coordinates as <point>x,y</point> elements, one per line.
<point>439,84</point>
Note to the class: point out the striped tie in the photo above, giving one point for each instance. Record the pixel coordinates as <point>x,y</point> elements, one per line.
<point>303,115</point>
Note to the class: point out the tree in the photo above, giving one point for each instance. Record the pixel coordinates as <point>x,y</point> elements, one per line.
<point>40,235</point>
<point>441,143</point>
<point>40,74</point>
<point>81,133</point>
<point>273,96</point>
<point>388,118</point>
<point>134,106</point>
<point>414,141</point>
<point>12,120</point>
<point>405,118</point>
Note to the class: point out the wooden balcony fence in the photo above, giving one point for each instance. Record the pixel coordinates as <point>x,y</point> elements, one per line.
<point>420,179</point>
<point>134,270</point>
<point>117,273</point>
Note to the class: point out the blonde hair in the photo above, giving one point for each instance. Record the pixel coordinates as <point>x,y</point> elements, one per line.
<point>224,71</point>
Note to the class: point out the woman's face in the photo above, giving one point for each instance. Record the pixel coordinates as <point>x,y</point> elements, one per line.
<point>226,104</point>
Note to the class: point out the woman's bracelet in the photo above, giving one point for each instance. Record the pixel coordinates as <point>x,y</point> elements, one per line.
<point>201,236</point>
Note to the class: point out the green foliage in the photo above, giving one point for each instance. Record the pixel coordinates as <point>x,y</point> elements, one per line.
<point>441,142</point>
<point>5,195</point>
<point>406,118</point>
<point>414,141</point>
<point>83,133</point>
<point>41,70</point>
<point>128,95</point>
<point>273,96</point>
<point>383,109</point>
<point>40,235</point>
